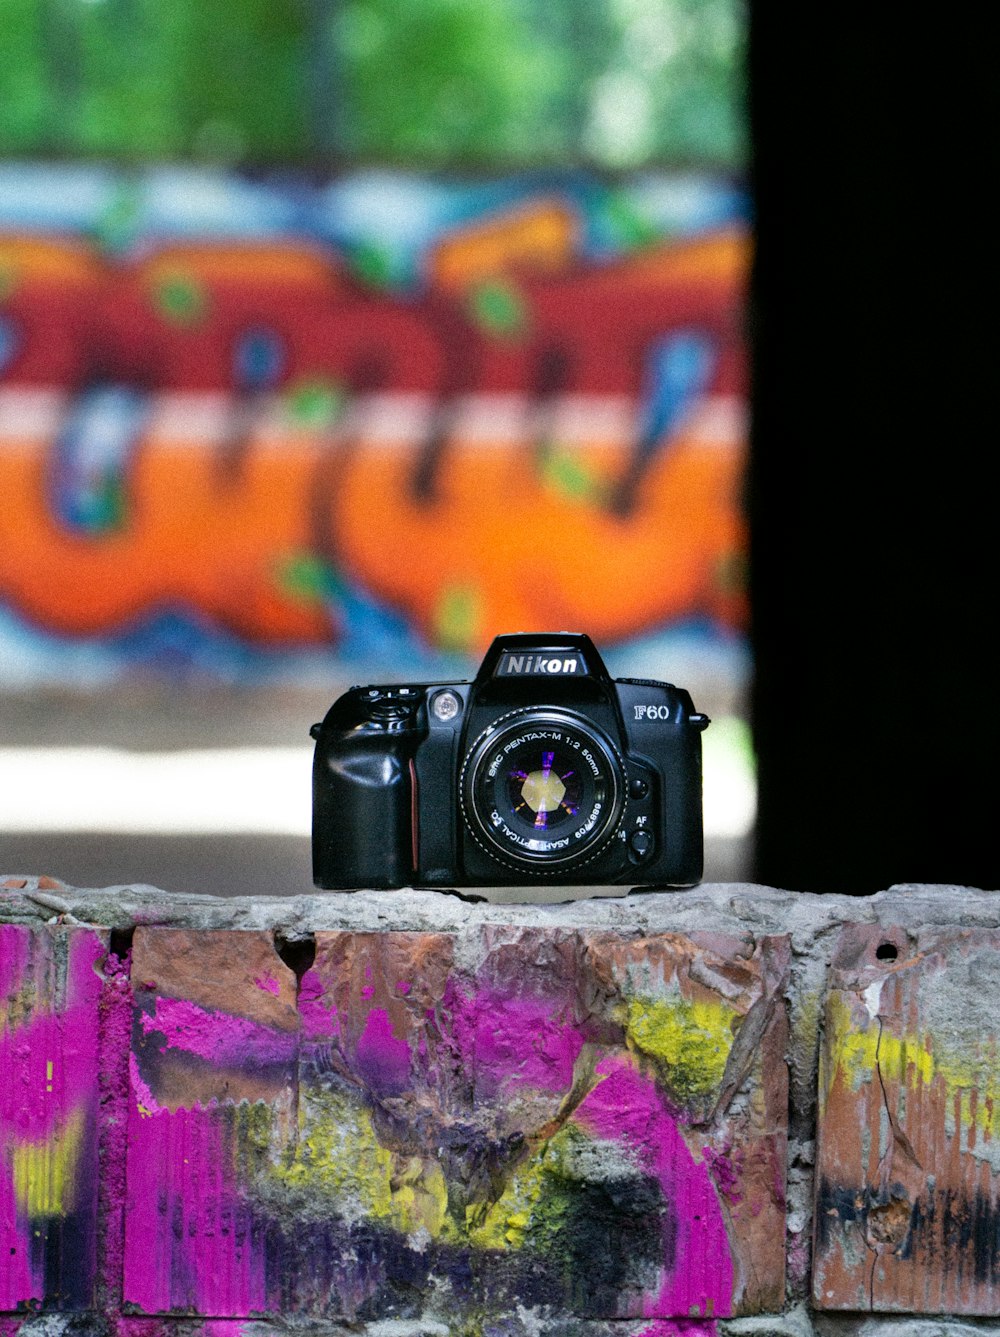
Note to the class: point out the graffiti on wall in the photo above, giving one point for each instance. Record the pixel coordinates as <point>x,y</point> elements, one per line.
<point>509,1120</point>
<point>50,996</point>
<point>258,419</point>
<point>908,1166</point>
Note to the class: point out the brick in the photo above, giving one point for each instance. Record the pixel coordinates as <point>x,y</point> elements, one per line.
<point>538,1118</point>
<point>907,1212</point>
<point>489,1122</point>
<point>50,996</point>
<point>520,1324</point>
<point>731,1105</point>
<point>213,1072</point>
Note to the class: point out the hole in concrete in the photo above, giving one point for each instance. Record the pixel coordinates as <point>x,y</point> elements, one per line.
<point>889,1222</point>
<point>298,953</point>
<point>120,942</point>
<point>887,951</point>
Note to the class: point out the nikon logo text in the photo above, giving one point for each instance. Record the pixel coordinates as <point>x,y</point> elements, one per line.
<point>546,664</point>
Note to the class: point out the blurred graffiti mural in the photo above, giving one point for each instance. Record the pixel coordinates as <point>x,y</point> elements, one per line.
<point>254,425</point>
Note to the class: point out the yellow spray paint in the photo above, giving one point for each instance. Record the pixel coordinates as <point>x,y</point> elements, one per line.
<point>45,1173</point>
<point>339,1153</point>
<point>533,1201</point>
<point>856,1054</point>
<point>504,1224</point>
<point>690,1040</point>
<point>419,1196</point>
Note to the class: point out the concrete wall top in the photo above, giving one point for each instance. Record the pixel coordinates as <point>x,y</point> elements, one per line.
<point>730,1110</point>
<point>727,907</point>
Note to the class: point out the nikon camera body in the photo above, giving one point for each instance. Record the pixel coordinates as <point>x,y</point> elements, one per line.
<point>543,769</point>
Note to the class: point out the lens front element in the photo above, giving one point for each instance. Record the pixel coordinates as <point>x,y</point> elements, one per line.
<point>542,789</point>
<point>549,793</point>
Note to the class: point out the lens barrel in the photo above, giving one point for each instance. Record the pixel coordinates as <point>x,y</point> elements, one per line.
<point>543,789</point>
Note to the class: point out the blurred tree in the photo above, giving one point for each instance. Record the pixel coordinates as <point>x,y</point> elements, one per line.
<point>672,86</point>
<point>25,95</point>
<point>440,80</point>
<point>432,83</point>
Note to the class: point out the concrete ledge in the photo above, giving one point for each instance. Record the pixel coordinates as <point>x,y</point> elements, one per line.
<point>401,1113</point>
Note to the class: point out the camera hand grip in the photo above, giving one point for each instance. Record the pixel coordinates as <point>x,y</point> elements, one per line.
<point>363,813</point>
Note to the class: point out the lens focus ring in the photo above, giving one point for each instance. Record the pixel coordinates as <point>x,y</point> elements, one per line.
<point>542,790</point>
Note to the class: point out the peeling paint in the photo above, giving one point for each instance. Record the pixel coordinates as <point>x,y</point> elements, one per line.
<point>908,1208</point>
<point>859,1055</point>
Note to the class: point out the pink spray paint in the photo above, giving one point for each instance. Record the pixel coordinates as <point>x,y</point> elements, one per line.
<point>510,1042</point>
<point>318,1017</point>
<point>190,1241</point>
<point>627,1107</point>
<point>49,1062</point>
<point>382,1060</point>
<point>115,1040</point>
<point>218,1037</point>
<point>680,1327</point>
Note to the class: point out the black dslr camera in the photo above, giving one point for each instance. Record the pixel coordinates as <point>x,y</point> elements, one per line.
<point>544,769</point>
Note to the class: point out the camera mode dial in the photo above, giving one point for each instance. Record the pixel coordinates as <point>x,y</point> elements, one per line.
<point>390,708</point>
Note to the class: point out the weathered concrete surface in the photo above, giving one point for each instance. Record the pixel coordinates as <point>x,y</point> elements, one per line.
<point>522,1325</point>
<point>526,1116</point>
<point>50,1008</point>
<point>213,1095</point>
<point>501,1118</point>
<point>366,1057</point>
<point>908,1174</point>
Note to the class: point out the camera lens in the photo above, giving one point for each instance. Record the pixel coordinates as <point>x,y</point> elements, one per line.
<point>542,789</point>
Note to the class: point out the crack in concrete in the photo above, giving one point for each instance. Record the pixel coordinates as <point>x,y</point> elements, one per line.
<point>892,1216</point>
<point>885,1102</point>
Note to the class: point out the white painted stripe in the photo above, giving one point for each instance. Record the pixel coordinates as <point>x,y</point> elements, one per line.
<point>261,791</point>
<point>577,419</point>
<point>719,420</point>
<point>207,419</point>
<point>30,413</point>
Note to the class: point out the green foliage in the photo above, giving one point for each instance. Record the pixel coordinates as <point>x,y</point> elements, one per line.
<point>428,83</point>
<point>24,89</point>
<point>145,79</point>
<point>673,86</point>
<point>443,79</point>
